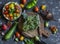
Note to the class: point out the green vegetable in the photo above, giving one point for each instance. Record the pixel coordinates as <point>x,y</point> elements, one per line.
<point>11,11</point>
<point>31,22</point>
<point>31,4</point>
<point>10,32</point>
<point>37,38</point>
<point>29,41</point>
<point>16,39</point>
<point>46,23</point>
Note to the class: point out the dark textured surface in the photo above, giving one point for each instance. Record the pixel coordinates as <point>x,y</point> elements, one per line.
<point>54,7</point>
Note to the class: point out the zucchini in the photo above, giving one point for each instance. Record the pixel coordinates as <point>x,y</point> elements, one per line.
<point>10,32</point>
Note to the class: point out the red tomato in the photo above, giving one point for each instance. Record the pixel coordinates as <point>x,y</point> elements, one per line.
<point>5,12</point>
<point>24,1</point>
<point>7,7</point>
<point>16,6</point>
<point>11,18</point>
<point>17,11</point>
<point>17,34</point>
<point>36,9</point>
<point>4,27</point>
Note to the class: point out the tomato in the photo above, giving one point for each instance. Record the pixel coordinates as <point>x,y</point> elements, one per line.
<point>17,11</point>
<point>53,28</point>
<point>5,12</point>
<point>36,9</point>
<point>11,18</point>
<point>4,27</point>
<point>16,6</point>
<point>7,15</point>
<point>17,34</point>
<point>21,38</point>
<point>43,7</point>
<point>24,1</point>
<point>22,5</point>
<point>7,7</point>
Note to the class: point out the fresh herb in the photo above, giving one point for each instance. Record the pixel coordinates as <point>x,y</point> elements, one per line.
<point>31,22</point>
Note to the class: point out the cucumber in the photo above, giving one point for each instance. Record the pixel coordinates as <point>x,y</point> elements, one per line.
<point>10,32</point>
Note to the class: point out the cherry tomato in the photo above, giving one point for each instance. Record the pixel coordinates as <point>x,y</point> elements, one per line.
<point>22,5</point>
<point>7,15</point>
<point>5,12</point>
<point>17,11</point>
<point>36,9</point>
<point>17,34</point>
<point>53,28</point>
<point>4,27</point>
<point>23,1</point>
<point>16,6</point>
<point>11,18</point>
<point>21,38</point>
<point>7,7</point>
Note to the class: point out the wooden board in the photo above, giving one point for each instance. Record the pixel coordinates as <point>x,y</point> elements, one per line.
<point>32,33</point>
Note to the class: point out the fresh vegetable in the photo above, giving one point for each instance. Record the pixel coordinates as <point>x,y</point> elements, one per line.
<point>24,1</point>
<point>46,23</point>
<point>4,27</point>
<point>37,38</point>
<point>36,9</point>
<point>5,12</point>
<point>11,10</point>
<point>16,39</point>
<point>11,5</point>
<point>7,7</point>
<point>22,5</point>
<point>31,22</point>
<point>21,38</point>
<point>17,11</point>
<point>43,7</point>
<point>17,34</point>
<point>53,29</point>
<point>31,4</point>
<point>29,41</point>
<point>10,32</point>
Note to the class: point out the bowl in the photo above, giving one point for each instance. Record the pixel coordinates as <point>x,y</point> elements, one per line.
<point>12,11</point>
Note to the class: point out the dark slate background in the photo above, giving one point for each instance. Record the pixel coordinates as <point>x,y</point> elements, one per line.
<point>54,7</point>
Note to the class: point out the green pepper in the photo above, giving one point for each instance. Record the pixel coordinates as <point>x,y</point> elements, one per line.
<point>31,4</point>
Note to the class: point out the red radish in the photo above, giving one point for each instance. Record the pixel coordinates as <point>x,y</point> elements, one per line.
<point>4,27</point>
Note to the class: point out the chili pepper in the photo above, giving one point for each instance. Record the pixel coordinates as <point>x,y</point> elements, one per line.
<point>31,4</point>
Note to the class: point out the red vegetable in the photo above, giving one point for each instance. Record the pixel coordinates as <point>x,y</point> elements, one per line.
<point>36,9</point>
<point>7,7</point>
<point>17,34</point>
<point>11,18</point>
<point>4,27</point>
<point>5,12</point>
<point>23,1</point>
<point>17,11</point>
